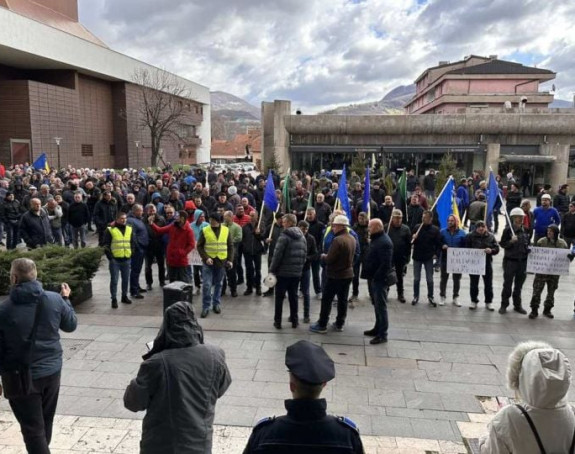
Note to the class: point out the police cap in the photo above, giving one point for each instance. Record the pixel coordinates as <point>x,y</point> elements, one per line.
<point>309,362</point>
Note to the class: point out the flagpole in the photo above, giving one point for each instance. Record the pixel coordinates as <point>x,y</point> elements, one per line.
<point>434,203</point>
<point>273,223</point>
<point>507,217</point>
<point>261,215</point>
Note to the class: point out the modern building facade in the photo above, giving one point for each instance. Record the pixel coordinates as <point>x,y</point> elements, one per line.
<point>484,84</point>
<point>63,92</point>
<point>532,140</point>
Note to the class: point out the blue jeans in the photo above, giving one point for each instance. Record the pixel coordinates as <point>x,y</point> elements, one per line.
<point>304,286</point>
<point>57,234</point>
<point>379,298</point>
<point>428,265</point>
<point>316,273</point>
<point>136,268</point>
<point>118,267</point>
<point>212,277</point>
<point>79,236</point>
<point>12,235</point>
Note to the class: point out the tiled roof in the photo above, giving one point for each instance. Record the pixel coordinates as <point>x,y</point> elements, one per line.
<point>500,67</point>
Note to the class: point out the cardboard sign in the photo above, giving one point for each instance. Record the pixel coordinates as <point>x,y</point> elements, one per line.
<point>465,261</point>
<point>545,260</point>
<point>194,258</point>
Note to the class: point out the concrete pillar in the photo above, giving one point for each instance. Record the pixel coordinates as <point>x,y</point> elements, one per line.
<point>204,131</point>
<point>281,136</point>
<point>267,133</point>
<point>560,167</point>
<point>492,158</point>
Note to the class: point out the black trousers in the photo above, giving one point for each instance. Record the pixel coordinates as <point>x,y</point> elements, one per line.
<point>513,270</point>
<point>253,271</point>
<point>399,265</point>
<point>238,264</point>
<point>158,254</point>
<point>333,287</point>
<point>283,285</point>
<point>443,281</point>
<point>35,413</point>
<point>487,283</point>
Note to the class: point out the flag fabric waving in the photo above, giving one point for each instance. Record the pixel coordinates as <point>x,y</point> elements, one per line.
<point>285,192</point>
<point>454,209</point>
<point>41,163</point>
<point>366,207</point>
<point>401,201</point>
<point>492,194</point>
<point>342,194</point>
<point>270,198</point>
<point>444,203</point>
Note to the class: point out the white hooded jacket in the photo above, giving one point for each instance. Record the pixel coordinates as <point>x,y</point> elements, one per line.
<point>542,376</point>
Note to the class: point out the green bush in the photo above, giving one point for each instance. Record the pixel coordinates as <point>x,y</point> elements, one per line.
<point>55,265</point>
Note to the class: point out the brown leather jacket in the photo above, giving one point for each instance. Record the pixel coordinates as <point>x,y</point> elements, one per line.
<point>339,260</point>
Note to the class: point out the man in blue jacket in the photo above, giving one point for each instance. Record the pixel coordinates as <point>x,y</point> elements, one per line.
<point>376,267</point>
<point>451,237</point>
<point>35,411</point>
<point>135,219</point>
<point>544,216</point>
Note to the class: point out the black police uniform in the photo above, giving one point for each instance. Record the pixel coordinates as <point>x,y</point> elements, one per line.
<point>307,428</point>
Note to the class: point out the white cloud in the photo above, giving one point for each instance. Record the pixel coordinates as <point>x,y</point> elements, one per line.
<point>319,53</point>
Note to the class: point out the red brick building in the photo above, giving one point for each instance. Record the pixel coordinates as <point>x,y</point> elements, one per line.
<point>57,80</point>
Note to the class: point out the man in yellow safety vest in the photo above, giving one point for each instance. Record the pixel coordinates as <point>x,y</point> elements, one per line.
<point>216,248</point>
<point>119,243</point>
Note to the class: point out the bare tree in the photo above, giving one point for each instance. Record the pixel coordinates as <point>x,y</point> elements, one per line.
<point>163,107</point>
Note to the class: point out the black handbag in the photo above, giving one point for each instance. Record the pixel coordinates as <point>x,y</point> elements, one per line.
<point>17,381</point>
<point>391,278</point>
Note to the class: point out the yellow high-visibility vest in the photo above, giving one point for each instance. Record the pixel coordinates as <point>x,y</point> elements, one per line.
<point>216,247</point>
<point>120,247</point>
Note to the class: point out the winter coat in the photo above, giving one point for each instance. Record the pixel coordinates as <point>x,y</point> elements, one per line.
<point>289,254</point>
<point>455,240</point>
<point>384,213</point>
<point>78,214</point>
<point>275,234</point>
<point>513,200</point>
<point>363,236</point>
<point>323,211</point>
<point>427,244</point>
<point>312,252</point>
<point>340,256</point>
<point>178,385</point>
<point>252,241</point>
<point>140,231</point>
<point>156,240</point>
<point>35,229</point>
<point>517,250</point>
<point>568,225</point>
<point>181,242</point>
<point>378,260</point>
<point>10,212</point>
<point>54,216</point>
<point>105,213</point>
<point>463,198</point>
<point>561,202</point>
<point>401,240</point>
<point>544,381</point>
<point>197,228</point>
<point>316,229</point>
<point>543,218</point>
<point>414,216</point>
<point>476,211</point>
<point>16,319</point>
<point>476,241</point>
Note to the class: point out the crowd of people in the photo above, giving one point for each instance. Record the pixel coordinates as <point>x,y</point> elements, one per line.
<point>211,230</point>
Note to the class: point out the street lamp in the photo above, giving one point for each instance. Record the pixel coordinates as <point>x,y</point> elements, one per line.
<point>58,141</point>
<point>137,142</point>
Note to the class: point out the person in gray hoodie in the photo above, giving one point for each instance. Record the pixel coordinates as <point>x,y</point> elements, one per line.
<point>544,421</point>
<point>178,385</point>
<point>287,265</point>
<point>35,411</point>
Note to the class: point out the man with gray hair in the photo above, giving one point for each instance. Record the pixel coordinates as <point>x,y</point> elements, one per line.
<point>28,300</point>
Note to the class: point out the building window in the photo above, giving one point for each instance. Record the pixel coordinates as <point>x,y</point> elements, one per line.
<point>431,94</point>
<point>87,150</point>
<point>112,150</point>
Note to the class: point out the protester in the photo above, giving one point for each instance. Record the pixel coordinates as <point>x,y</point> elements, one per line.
<point>231,276</point>
<point>544,421</point>
<point>178,385</point>
<point>104,213</point>
<point>316,230</point>
<point>481,238</point>
<point>287,264</point>
<point>155,250</point>
<point>10,214</point>
<point>140,231</point>
<point>307,427</point>
<point>305,281</point>
<point>78,217</point>
<point>360,228</point>
<point>544,216</point>
<point>426,242</point>
<point>34,227</point>
<point>272,235</point>
<point>451,237</point>
<point>400,236</point>
<point>253,248</point>
<point>29,305</point>
<point>198,224</point>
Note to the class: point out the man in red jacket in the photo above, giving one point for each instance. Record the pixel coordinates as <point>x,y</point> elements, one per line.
<point>180,243</point>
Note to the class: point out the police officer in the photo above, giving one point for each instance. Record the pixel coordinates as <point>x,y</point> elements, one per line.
<point>306,428</point>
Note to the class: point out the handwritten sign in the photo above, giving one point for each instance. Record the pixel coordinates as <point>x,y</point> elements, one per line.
<point>466,261</point>
<point>544,260</point>
<point>194,258</point>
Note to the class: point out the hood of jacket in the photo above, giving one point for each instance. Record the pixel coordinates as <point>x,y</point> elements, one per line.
<point>156,195</point>
<point>179,329</point>
<point>24,292</point>
<point>293,232</point>
<point>197,215</point>
<point>541,374</point>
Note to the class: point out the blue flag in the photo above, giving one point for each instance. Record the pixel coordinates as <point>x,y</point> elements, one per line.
<point>444,205</point>
<point>342,194</point>
<point>492,194</point>
<point>270,198</point>
<point>366,195</point>
<point>41,163</point>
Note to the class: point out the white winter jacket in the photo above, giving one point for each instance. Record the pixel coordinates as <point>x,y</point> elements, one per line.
<point>542,379</point>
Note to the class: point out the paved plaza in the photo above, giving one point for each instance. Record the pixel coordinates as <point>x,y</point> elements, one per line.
<point>434,383</point>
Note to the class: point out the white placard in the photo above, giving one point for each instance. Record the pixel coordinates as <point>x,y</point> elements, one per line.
<point>466,261</point>
<point>194,258</point>
<point>545,260</point>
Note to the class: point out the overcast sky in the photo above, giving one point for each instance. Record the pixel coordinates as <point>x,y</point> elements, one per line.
<point>323,53</point>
